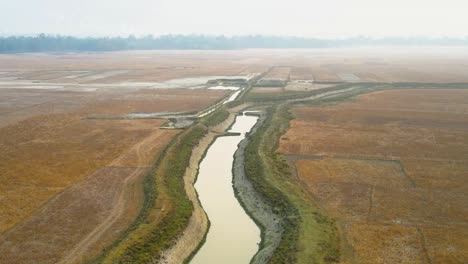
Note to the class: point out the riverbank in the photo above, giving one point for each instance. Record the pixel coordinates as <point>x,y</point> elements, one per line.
<point>309,235</point>
<point>262,213</point>
<point>193,236</point>
<point>167,209</point>
<point>233,236</point>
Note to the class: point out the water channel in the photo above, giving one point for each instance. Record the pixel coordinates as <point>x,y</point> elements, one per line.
<point>233,237</point>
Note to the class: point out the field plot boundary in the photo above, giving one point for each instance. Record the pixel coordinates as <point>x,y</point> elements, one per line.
<point>385,198</point>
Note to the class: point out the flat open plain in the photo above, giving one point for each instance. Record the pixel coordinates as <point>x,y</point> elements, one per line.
<point>72,162</point>
<point>391,167</point>
<point>73,157</point>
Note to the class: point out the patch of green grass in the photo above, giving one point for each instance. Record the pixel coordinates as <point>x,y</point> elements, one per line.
<point>215,118</point>
<point>146,239</point>
<point>235,103</point>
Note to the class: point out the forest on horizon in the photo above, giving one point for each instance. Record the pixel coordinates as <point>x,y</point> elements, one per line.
<point>57,43</point>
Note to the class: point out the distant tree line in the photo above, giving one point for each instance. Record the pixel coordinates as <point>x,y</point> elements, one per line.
<point>54,43</point>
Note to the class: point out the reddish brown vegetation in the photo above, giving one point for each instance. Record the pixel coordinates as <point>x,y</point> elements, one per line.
<point>64,175</point>
<point>263,90</point>
<point>157,100</point>
<point>42,155</point>
<point>83,218</point>
<point>391,168</point>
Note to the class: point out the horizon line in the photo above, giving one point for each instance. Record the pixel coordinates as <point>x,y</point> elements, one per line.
<point>228,36</point>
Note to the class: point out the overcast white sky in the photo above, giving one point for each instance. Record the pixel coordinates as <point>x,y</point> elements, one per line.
<point>316,18</point>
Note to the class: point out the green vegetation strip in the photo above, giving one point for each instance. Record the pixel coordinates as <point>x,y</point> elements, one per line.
<point>215,118</point>
<point>166,209</point>
<point>310,236</point>
<point>147,238</point>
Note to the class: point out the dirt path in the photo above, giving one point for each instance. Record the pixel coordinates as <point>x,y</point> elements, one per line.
<point>198,225</point>
<point>92,238</point>
<point>60,231</point>
<point>75,225</point>
<point>137,156</point>
<point>141,154</point>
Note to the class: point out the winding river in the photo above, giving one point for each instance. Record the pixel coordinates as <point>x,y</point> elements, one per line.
<point>233,237</point>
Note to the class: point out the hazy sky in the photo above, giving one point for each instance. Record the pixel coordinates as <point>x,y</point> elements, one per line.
<point>319,18</point>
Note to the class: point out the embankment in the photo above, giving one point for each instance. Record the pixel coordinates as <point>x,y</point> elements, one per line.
<point>194,234</point>
<point>262,213</point>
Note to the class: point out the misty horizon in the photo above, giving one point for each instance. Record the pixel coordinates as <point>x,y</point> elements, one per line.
<point>51,43</point>
<point>332,19</point>
<point>149,35</point>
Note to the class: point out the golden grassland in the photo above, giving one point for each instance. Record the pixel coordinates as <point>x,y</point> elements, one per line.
<point>53,154</point>
<point>301,73</point>
<point>50,152</point>
<point>157,100</point>
<point>324,65</point>
<point>43,155</point>
<point>301,87</point>
<point>78,222</point>
<point>390,167</point>
<point>267,90</point>
<point>278,73</point>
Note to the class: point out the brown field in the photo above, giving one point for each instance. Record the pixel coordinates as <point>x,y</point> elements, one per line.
<point>370,65</point>
<point>263,90</point>
<point>157,100</point>
<point>323,74</point>
<point>278,73</point>
<point>391,167</point>
<point>20,104</point>
<point>43,155</point>
<point>302,87</point>
<point>71,185</point>
<point>45,158</point>
<point>142,66</point>
<point>108,200</point>
<point>301,73</point>
<point>253,68</point>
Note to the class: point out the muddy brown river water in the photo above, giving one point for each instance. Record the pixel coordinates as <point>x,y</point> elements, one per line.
<point>233,237</point>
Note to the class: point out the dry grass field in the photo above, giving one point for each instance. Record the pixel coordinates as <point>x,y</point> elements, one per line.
<point>67,149</point>
<point>391,167</point>
<point>168,100</point>
<point>46,158</point>
<point>115,67</point>
<point>108,201</point>
<point>301,74</point>
<point>48,153</point>
<point>70,184</point>
<point>266,90</point>
<point>321,65</point>
<point>278,73</point>
<point>304,86</point>
<point>20,104</point>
